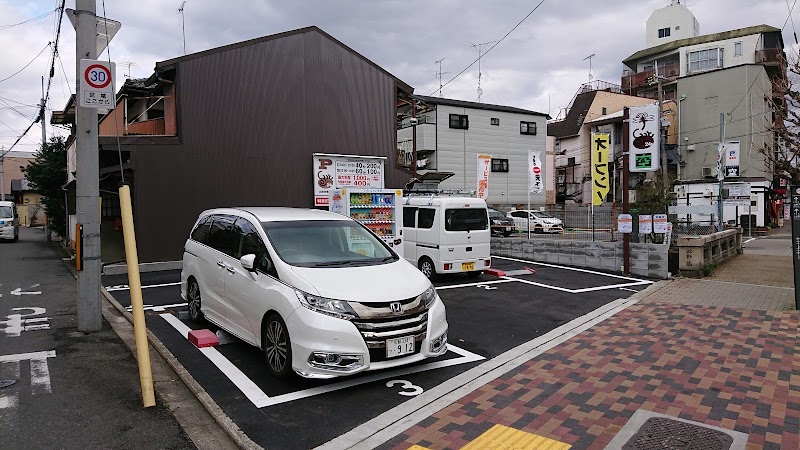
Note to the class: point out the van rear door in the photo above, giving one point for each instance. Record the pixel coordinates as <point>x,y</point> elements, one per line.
<point>465,233</point>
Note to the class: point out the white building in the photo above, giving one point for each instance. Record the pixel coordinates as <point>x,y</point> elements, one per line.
<point>450,135</point>
<point>730,73</point>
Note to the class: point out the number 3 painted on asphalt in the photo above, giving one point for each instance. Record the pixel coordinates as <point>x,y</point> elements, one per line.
<point>414,390</point>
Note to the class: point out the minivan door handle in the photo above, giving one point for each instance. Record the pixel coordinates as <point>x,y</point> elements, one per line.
<point>230,269</point>
<point>221,264</point>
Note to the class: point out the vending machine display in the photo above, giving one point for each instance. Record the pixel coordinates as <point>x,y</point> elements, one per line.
<point>380,210</point>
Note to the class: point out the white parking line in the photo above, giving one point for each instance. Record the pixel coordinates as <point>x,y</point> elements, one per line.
<point>158,308</point>
<point>626,289</point>
<point>261,399</point>
<point>125,287</point>
<point>575,269</point>
<point>479,283</point>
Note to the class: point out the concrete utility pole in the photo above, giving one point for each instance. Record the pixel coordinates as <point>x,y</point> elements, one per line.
<point>626,237</point>
<point>87,186</point>
<point>661,145</point>
<point>44,142</point>
<point>2,176</point>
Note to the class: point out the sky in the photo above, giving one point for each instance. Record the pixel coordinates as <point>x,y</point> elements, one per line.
<point>539,66</point>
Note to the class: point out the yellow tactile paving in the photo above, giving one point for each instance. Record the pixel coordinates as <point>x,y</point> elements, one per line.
<point>500,437</point>
<point>417,447</point>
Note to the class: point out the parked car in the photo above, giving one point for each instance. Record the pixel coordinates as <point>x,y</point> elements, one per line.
<point>291,282</point>
<point>540,222</point>
<point>9,221</point>
<point>500,223</point>
<point>444,234</point>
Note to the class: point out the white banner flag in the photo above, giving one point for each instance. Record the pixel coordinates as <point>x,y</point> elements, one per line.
<point>535,175</point>
<point>484,164</point>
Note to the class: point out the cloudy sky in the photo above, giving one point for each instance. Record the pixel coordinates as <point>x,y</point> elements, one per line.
<point>539,66</point>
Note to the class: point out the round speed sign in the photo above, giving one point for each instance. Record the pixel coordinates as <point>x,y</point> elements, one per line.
<point>97,76</point>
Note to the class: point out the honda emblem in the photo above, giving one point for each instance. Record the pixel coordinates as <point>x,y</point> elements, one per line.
<point>396,307</point>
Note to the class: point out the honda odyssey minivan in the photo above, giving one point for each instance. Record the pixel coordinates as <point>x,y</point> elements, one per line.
<point>302,285</point>
<point>9,221</point>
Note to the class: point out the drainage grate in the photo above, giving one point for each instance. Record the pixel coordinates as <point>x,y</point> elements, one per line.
<point>658,433</point>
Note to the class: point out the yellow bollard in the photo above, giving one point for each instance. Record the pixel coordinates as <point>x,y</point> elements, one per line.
<point>137,309</point>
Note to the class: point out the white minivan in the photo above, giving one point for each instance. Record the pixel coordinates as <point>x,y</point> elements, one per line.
<point>444,234</point>
<point>291,282</point>
<point>9,221</point>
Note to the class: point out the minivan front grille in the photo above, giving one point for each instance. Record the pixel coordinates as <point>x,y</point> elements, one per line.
<point>377,323</point>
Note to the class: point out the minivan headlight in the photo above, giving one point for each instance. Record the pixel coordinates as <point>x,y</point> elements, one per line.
<point>429,296</point>
<point>336,308</point>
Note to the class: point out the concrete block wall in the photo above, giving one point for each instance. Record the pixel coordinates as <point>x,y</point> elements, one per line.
<point>647,260</point>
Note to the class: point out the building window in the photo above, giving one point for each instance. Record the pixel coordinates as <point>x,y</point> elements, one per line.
<point>499,165</point>
<point>495,121</point>
<point>663,32</point>
<point>705,60</point>
<point>527,128</point>
<point>605,111</point>
<point>458,121</point>
<point>737,49</point>
<point>571,161</point>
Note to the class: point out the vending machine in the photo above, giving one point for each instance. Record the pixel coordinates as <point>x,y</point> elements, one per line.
<point>380,210</point>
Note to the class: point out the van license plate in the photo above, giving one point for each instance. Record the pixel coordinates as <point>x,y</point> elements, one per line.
<point>467,267</point>
<point>399,346</point>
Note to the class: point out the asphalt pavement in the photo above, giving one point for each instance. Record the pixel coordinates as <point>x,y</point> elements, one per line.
<point>65,388</point>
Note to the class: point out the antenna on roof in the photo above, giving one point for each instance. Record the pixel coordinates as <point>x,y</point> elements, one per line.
<point>129,65</point>
<point>479,47</point>
<point>590,65</point>
<point>439,74</point>
<point>183,25</point>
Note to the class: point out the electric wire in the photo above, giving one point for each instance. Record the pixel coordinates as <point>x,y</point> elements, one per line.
<point>33,19</point>
<point>29,63</point>
<point>113,77</point>
<point>490,48</point>
<point>792,19</point>
<point>15,109</point>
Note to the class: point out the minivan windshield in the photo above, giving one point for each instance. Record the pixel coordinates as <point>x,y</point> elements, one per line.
<point>327,243</point>
<point>5,212</point>
<point>466,219</point>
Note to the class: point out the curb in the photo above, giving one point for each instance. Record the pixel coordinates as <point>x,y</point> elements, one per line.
<point>211,407</point>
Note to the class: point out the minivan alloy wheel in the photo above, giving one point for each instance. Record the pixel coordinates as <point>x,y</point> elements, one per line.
<point>426,267</point>
<point>277,347</point>
<point>193,297</point>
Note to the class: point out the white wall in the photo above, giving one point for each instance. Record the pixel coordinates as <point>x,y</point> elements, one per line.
<point>458,149</point>
<point>672,17</point>
<point>750,44</point>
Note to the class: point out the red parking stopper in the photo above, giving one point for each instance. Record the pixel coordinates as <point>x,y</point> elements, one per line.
<point>533,271</point>
<point>494,272</point>
<point>203,338</point>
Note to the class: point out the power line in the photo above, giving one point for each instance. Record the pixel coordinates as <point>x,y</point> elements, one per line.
<point>64,72</point>
<point>790,13</point>
<point>26,65</point>
<point>15,110</point>
<point>730,114</point>
<point>492,47</point>
<point>33,19</point>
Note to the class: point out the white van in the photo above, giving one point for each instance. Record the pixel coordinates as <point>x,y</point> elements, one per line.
<point>444,234</point>
<point>9,221</point>
<point>319,293</point>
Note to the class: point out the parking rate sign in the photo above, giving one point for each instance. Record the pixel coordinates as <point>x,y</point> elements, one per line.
<point>97,84</point>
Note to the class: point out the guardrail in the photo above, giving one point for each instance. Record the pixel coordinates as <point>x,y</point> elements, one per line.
<point>699,254</point>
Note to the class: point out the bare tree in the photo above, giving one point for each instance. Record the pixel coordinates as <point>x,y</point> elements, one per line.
<point>783,156</point>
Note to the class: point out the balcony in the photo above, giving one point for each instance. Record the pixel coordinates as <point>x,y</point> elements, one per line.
<point>635,81</point>
<point>770,57</point>
<point>152,127</point>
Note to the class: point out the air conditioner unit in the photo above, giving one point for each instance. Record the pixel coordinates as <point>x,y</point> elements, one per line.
<point>709,172</point>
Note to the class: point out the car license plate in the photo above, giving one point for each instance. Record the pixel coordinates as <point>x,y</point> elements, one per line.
<point>399,346</point>
<point>467,267</point>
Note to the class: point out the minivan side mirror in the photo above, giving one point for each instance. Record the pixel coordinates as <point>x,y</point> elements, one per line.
<point>248,262</point>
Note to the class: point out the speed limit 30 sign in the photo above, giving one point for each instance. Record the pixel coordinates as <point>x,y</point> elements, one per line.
<point>96,84</point>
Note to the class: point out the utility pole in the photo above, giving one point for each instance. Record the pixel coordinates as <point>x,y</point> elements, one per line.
<point>87,186</point>
<point>661,146</point>
<point>720,167</point>
<point>2,176</point>
<point>183,25</point>
<point>626,237</point>
<point>44,142</point>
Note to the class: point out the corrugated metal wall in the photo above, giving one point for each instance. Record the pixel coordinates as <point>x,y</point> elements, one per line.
<point>249,119</point>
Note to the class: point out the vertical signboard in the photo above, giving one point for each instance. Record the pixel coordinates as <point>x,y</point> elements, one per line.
<point>660,223</point>
<point>344,171</point>
<point>731,155</point>
<point>645,224</point>
<point>484,164</point>
<point>600,176</point>
<point>535,181</point>
<point>644,139</point>
<point>794,198</point>
<point>625,223</point>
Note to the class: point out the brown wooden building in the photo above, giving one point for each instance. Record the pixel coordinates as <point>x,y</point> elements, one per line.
<point>237,125</point>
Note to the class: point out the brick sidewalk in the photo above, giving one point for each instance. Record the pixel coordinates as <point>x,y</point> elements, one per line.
<point>725,367</point>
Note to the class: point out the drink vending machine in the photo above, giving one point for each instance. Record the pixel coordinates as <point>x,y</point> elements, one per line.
<point>380,210</point>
